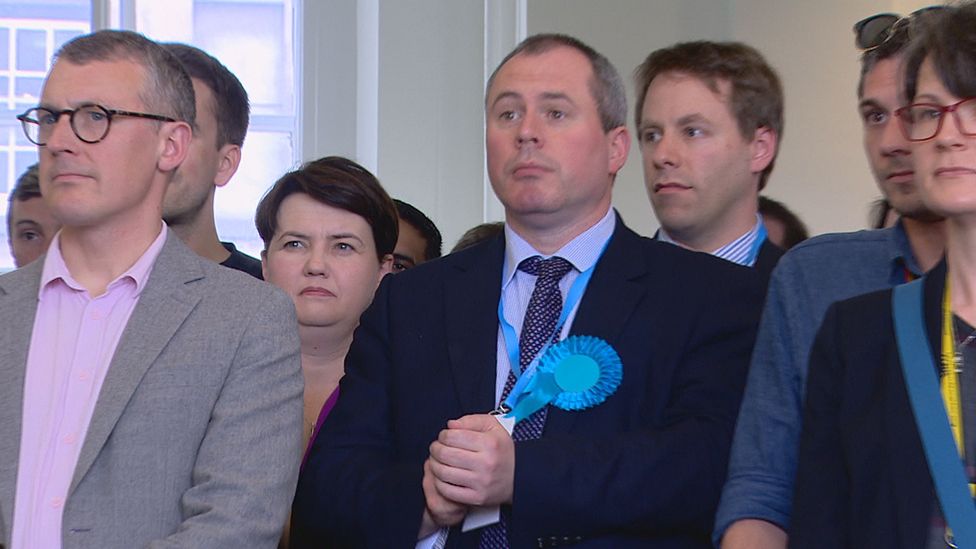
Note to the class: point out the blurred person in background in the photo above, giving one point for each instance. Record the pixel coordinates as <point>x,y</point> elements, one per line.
<point>419,240</point>
<point>30,225</point>
<point>783,227</point>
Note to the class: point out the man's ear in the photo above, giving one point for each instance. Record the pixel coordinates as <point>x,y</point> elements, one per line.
<point>764,144</point>
<point>264,264</point>
<point>229,159</point>
<point>174,143</point>
<point>618,143</point>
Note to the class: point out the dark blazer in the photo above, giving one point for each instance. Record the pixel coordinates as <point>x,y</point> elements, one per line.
<point>862,478</point>
<point>767,259</point>
<point>644,468</point>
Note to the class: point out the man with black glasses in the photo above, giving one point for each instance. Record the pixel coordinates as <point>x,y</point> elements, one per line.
<point>149,396</point>
<point>757,499</point>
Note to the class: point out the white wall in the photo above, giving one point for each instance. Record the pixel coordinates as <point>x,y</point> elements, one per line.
<point>329,98</point>
<point>430,118</point>
<point>428,132</point>
<point>431,57</point>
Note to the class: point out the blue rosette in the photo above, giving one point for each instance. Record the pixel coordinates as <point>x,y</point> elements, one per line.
<point>577,373</point>
<point>585,368</point>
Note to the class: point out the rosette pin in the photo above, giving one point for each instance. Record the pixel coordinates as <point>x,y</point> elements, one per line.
<point>577,373</point>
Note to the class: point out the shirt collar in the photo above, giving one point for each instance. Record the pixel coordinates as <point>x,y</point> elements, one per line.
<point>56,269</point>
<point>582,251</point>
<point>737,251</point>
<point>900,250</point>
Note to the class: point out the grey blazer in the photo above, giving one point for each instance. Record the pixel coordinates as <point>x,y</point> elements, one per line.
<point>195,439</point>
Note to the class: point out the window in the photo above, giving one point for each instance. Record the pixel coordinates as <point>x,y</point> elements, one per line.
<point>260,48</point>
<point>30,33</point>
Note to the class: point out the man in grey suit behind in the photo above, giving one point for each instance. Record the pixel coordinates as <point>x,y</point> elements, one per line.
<point>148,397</point>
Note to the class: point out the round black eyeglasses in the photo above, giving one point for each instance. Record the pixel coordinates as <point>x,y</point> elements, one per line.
<point>89,122</point>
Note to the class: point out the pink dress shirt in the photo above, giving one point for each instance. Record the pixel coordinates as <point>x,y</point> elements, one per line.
<point>71,348</point>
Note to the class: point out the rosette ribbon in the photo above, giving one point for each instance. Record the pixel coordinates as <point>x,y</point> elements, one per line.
<point>577,373</point>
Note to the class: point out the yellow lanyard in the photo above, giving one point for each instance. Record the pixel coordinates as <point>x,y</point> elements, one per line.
<point>950,378</point>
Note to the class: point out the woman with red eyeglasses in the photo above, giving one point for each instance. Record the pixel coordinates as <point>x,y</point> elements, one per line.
<point>888,450</point>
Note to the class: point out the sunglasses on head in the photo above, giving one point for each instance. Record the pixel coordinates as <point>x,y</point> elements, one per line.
<point>871,32</point>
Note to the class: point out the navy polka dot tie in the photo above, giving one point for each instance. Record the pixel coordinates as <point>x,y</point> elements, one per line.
<point>538,328</point>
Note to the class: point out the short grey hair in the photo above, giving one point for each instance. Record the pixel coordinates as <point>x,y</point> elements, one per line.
<point>167,90</point>
<point>606,86</point>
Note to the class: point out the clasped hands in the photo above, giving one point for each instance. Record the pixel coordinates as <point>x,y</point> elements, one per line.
<point>471,464</point>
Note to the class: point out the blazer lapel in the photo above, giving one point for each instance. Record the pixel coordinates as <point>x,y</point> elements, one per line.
<point>18,305</point>
<point>613,292</point>
<point>610,299</point>
<point>768,257</point>
<point>933,289</point>
<point>165,303</point>
<point>471,295</point>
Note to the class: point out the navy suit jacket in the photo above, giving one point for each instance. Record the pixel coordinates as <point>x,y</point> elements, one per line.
<point>644,468</point>
<point>862,477</point>
<point>767,259</point>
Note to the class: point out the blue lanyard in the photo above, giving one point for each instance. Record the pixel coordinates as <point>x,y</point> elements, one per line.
<point>754,251</point>
<point>922,382</point>
<point>573,298</point>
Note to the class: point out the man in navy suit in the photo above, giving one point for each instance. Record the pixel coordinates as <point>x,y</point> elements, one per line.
<point>410,453</point>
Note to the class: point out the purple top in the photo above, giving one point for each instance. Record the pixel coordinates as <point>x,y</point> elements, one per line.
<point>324,413</point>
